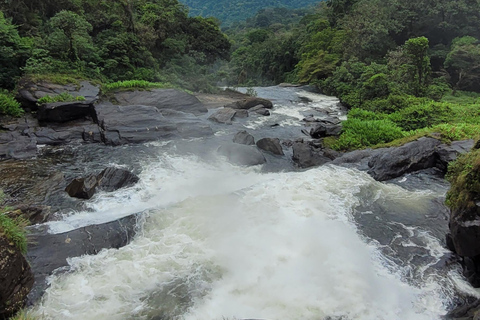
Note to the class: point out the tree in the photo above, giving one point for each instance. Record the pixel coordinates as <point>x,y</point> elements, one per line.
<point>463,63</point>
<point>14,52</point>
<point>416,50</point>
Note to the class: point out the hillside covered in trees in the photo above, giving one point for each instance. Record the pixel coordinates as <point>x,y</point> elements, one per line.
<point>405,68</point>
<point>233,11</point>
<point>108,40</point>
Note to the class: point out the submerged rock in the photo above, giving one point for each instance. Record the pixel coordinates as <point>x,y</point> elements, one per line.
<point>242,154</point>
<point>48,252</point>
<point>243,137</point>
<point>271,145</point>
<point>16,279</point>
<point>110,179</point>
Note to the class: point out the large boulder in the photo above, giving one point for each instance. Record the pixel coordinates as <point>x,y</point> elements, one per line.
<point>413,156</point>
<point>16,279</point>
<point>224,115</point>
<point>250,103</point>
<point>65,111</point>
<point>325,129</point>
<point>110,179</point>
<point>305,156</point>
<point>271,145</point>
<point>162,99</point>
<point>242,154</point>
<point>29,91</point>
<point>48,252</point>
<point>137,124</point>
<point>243,137</point>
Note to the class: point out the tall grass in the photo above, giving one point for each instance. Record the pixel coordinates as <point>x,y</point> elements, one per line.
<point>134,84</point>
<point>62,97</point>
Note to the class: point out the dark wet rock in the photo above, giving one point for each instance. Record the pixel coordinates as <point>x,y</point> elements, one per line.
<point>261,110</point>
<point>138,124</point>
<point>16,279</point>
<point>448,153</point>
<point>33,213</point>
<point>469,311</point>
<point>224,115</point>
<point>325,129</point>
<point>243,137</point>
<point>250,103</point>
<point>413,156</point>
<point>29,92</point>
<point>65,111</point>
<point>465,231</point>
<point>241,113</point>
<point>47,252</point>
<point>271,145</point>
<point>65,133</point>
<point>305,156</point>
<point>14,145</point>
<point>242,154</point>
<point>311,119</point>
<point>82,188</point>
<point>111,179</point>
<point>162,99</point>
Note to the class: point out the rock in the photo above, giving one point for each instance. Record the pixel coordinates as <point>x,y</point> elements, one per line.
<point>83,188</point>
<point>325,129</point>
<point>241,113</point>
<point>242,154</point>
<point>448,153</point>
<point>16,279</point>
<point>250,103</point>
<point>87,240</point>
<point>65,111</point>
<point>14,145</point>
<point>224,115</point>
<point>34,214</point>
<point>470,311</point>
<point>271,145</point>
<point>261,110</point>
<point>305,157</point>
<point>162,99</point>
<point>243,137</point>
<point>413,156</point>
<point>111,179</point>
<point>60,134</point>
<point>29,92</point>
<point>137,124</point>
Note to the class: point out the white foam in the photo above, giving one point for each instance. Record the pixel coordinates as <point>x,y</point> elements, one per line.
<point>236,243</point>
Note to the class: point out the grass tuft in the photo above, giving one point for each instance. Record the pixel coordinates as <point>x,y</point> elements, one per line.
<point>134,85</point>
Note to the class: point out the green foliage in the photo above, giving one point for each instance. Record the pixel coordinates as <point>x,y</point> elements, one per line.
<point>251,92</point>
<point>463,63</point>
<point>357,133</point>
<point>14,230</point>
<point>9,106</point>
<point>133,85</point>
<point>23,315</point>
<point>422,115</point>
<point>464,177</point>
<point>62,97</point>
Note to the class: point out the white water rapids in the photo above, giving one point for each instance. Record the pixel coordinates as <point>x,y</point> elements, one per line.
<point>218,241</point>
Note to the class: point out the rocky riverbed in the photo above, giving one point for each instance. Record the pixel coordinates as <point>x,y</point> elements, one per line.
<point>54,144</point>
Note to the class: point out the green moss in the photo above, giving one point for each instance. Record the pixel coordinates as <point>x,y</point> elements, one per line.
<point>62,97</point>
<point>464,177</point>
<point>134,85</point>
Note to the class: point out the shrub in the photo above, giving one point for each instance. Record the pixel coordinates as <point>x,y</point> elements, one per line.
<point>134,84</point>
<point>14,230</point>
<point>362,114</point>
<point>464,176</point>
<point>9,106</point>
<point>62,97</point>
<point>364,133</point>
<point>422,115</point>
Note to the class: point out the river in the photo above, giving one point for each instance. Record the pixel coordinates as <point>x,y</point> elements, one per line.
<point>218,241</point>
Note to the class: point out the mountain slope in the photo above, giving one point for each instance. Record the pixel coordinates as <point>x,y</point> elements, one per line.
<point>229,11</point>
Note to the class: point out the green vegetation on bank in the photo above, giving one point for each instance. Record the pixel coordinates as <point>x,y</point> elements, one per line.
<point>405,69</point>
<point>134,84</point>
<point>62,97</point>
<point>8,104</point>
<point>464,176</point>
<point>13,229</point>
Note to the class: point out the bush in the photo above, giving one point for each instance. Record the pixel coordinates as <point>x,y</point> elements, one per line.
<point>9,106</point>
<point>364,133</point>
<point>62,97</point>
<point>134,84</point>
<point>422,115</point>
<point>14,230</point>
<point>362,114</point>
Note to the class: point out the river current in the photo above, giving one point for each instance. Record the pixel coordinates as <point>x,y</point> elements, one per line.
<point>219,241</point>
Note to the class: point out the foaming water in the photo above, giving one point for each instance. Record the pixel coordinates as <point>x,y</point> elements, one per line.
<point>225,242</point>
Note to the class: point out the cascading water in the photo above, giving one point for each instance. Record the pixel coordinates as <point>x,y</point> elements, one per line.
<point>217,241</point>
